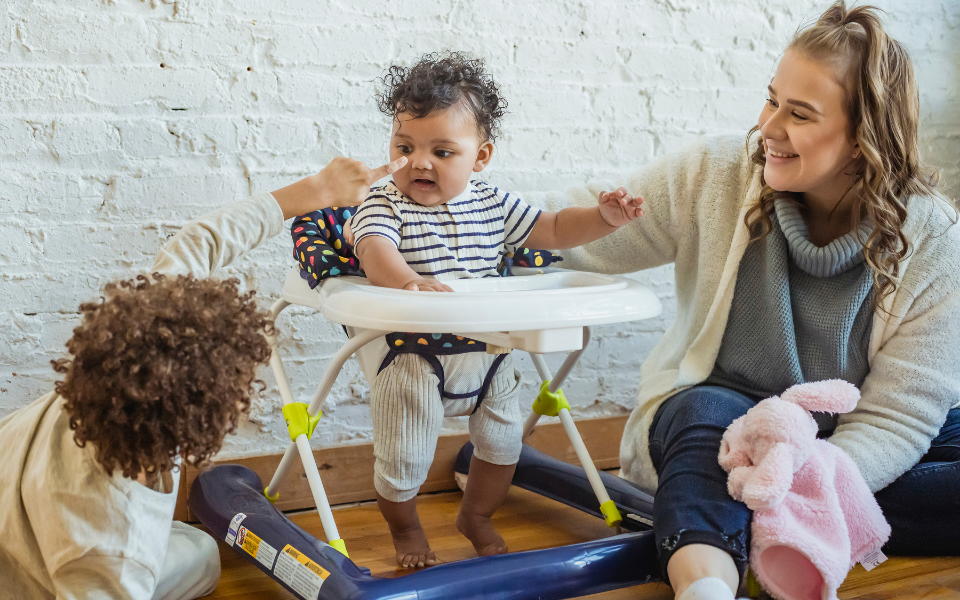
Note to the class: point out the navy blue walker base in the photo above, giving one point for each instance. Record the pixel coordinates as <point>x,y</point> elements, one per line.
<point>219,495</point>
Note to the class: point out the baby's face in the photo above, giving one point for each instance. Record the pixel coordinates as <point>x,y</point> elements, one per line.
<point>442,150</point>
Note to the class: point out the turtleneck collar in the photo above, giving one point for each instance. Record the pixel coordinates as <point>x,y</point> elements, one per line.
<point>836,257</point>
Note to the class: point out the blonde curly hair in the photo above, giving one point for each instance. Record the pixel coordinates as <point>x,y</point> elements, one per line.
<point>883,103</point>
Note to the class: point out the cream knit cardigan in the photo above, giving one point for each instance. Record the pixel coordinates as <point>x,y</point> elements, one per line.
<point>695,202</point>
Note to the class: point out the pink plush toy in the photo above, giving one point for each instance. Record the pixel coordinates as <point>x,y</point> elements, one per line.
<point>814,516</point>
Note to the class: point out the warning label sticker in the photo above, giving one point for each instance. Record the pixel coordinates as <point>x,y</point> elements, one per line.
<point>255,547</point>
<point>300,573</point>
<point>233,526</point>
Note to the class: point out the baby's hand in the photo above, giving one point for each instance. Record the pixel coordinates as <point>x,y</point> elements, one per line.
<point>619,208</point>
<point>426,285</point>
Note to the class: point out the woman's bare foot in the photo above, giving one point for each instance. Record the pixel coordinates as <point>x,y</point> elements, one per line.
<point>481,533</point>
<point>409,539</point>
<point>413,550</point>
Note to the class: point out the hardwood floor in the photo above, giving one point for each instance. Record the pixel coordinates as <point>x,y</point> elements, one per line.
<point>528,521</point>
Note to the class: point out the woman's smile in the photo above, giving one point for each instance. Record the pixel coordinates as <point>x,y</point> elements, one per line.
<point>776,154</point>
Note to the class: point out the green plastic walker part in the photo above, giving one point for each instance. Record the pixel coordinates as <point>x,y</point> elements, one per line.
<point>299,420</point>
<point>273,499</point>
<point>610,513</point>
<point>340,546</point>
<point>752,585</point>
<point>547,404</point>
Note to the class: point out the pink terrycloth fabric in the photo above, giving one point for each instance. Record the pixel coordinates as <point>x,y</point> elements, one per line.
<point>814,516</point>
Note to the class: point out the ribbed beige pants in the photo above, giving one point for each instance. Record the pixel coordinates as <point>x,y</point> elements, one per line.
<point>408,413</point>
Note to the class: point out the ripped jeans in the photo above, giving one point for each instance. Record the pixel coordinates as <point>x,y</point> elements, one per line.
<point>692,506</point>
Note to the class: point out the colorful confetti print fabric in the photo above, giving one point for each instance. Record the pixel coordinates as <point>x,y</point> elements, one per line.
<point>319,246</point>
<point>526,257</point>
<point>432,343</point>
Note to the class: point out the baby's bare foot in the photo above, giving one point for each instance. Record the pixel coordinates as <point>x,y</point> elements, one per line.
<point>413,550</point>
<point>481,533</point>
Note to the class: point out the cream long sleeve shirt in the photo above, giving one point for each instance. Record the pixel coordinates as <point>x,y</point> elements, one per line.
<point>68,529</point>
<point>695,202</point>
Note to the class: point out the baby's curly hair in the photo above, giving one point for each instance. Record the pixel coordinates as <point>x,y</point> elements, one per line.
<point>439,81</point>
<point>161,367</point>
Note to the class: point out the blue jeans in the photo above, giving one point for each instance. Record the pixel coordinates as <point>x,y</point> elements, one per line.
<point>692,505</point>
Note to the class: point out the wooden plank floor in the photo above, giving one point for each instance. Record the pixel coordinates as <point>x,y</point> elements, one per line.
<point>528,521</point>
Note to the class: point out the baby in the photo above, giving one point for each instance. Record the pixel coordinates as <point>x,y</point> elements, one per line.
<point>432,223</point>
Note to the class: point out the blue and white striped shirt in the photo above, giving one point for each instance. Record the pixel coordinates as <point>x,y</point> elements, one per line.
<point>463,238</point>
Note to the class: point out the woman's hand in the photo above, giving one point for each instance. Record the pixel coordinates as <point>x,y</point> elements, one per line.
<point>422,284</point>
<point>619,208</point>
<point>344,182</point>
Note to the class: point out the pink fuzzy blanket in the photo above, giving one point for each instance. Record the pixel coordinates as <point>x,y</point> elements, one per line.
<point>814,517</point>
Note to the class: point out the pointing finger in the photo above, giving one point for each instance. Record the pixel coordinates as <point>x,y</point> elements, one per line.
<point>387,169</point>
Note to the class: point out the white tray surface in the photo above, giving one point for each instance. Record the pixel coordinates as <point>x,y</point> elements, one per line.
<point>558,299</point>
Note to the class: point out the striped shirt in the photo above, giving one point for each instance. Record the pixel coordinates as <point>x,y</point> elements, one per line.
<point>463,238</point>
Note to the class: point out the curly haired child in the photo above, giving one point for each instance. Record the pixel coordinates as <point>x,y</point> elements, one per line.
<point>432,223</point>
<point>161,370</point>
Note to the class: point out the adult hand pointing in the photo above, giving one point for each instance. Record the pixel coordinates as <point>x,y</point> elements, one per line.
<point>344,182</point>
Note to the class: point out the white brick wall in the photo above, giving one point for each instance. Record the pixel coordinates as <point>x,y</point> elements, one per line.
<point>122,119</point>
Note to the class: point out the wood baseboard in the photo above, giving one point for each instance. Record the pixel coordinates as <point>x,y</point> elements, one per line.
<point>347,471</point>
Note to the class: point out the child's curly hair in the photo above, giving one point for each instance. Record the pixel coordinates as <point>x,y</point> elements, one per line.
<point>162,367</point>
<point>442,80</point>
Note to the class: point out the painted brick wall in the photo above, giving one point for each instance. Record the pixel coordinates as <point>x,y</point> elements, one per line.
<point>122,119</point>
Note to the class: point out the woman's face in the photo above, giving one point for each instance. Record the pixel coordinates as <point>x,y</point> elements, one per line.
<point>806,131</point>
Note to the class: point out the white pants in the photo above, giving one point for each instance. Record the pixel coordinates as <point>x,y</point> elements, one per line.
<point>408,411</point>
<point>191,567</point>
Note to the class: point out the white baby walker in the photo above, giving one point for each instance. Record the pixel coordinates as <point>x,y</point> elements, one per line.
<point>537,310</point>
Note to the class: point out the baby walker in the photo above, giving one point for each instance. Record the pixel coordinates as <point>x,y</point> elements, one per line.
<point>549,312</point>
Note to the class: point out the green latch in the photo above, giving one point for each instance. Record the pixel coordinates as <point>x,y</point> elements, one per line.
<point>547,404</point>
<point>298,420</point>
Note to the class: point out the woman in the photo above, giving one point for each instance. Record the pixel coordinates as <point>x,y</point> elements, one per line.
<point>820,250</point>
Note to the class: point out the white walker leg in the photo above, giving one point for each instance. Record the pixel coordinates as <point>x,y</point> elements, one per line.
<point>552,402</point>
<point>610,513</point>
<point>273,490</point>
<point>554,382</point>
<point>319,495</point>
<point>544,372</point>
<point>329,377</point>
<point>302,419</point>
<point>276,363</point>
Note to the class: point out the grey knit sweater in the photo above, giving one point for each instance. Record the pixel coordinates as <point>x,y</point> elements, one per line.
<point>800,313</point>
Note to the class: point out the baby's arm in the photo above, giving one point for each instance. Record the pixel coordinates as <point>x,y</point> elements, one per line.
<point>385,267</point>
<point>575,226</point>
